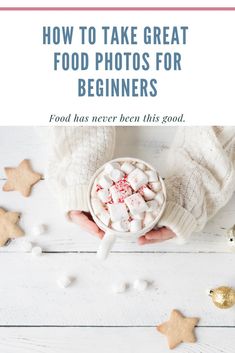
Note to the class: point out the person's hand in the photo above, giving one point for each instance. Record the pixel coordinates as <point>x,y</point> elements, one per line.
<point>156,236</point>
<point>85,221</point>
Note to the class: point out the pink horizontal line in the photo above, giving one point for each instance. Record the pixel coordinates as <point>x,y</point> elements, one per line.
<point>117,8</point>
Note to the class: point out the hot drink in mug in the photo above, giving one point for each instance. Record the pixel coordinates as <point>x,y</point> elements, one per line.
<point>126,198</point>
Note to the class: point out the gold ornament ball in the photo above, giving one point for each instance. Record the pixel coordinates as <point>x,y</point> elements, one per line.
<point>223,297</point>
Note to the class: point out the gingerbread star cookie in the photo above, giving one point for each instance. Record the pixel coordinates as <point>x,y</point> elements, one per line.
<point>178,329</point>
<point>8,226</point>
<point>21,178</point>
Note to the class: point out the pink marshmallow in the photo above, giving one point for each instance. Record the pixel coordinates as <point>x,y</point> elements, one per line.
<point>135,225</point>
<point>120,191</point>
<point>152,205</point>
<point>155,186</point>
<point>105,182</point>
<point>110,166</point>
<point>139,215</point>
<point>152,175</point>
<point>105,217</point>
<point>121,226</point>
<point>137,178</point>
<point>118,211</point>
<point>148,194</point>
<point>149,218</point>
<point>127,167</point>
<point>104,195</point>
<point>116,175</point>
<point>136,203</point>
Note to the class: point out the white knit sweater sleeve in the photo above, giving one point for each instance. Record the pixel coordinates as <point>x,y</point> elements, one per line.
<point>76,153</point>
<point>201,177</point>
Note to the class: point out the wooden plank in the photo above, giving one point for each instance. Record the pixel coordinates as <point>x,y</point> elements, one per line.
<point>106,340</point>
<point>29,294</point>
<point>42,208</point>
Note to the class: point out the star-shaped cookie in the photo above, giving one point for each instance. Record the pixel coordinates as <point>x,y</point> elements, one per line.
<point>21,178</point>
<point>178,329</point>
<point>8,226</point>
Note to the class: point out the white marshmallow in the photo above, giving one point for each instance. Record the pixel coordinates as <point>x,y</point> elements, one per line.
<point>105,182</point>
<point>38,230</point>
<point>26,245</point>
<point>152,206</point>
<point>152,175</point>
<point>37,251</point>
<point>159,198</point>
<point>137,178</point>
<point>148,194</point>
<point>110,166</point>
<point>116,175</point>
<point>127,167</point>
<point>148,219</point>
<point>64,281</point>
<point>105,217</point>
<point>118,211</point>
<point>138,215</point>
<point>140,285</point>
<point>121,226</point>
<point>119,192</point>
<point>119,287</point>
<point>140,166</point>
<point>115,194</point>
<point>97,205</point>
<point>155,186</point>
<point>135,225</point>
<point>136,203</point>
<point>104,195</point>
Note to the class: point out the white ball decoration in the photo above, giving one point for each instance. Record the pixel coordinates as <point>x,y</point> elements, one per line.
<point>26,245</point>
<point>119,287</point>
<point>140,285</point>
<point>37,251</point>
<point>64,281</point>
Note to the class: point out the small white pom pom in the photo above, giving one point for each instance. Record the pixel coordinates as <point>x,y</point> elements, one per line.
<point>64,281</point>
<point>119,287</point>
<point>38,230</point>
<point>140,285</point>
<point>37,251</point>
<point>26,245</point>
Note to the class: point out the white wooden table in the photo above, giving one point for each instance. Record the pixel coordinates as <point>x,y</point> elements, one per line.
<point>37,316</point>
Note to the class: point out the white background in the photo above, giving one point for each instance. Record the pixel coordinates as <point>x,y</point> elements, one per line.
<point>30,91</point>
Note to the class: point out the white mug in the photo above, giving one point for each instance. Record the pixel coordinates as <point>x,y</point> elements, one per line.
<point>111,235</point>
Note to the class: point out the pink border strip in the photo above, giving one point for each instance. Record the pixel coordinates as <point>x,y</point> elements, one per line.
<point>117,8</point>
